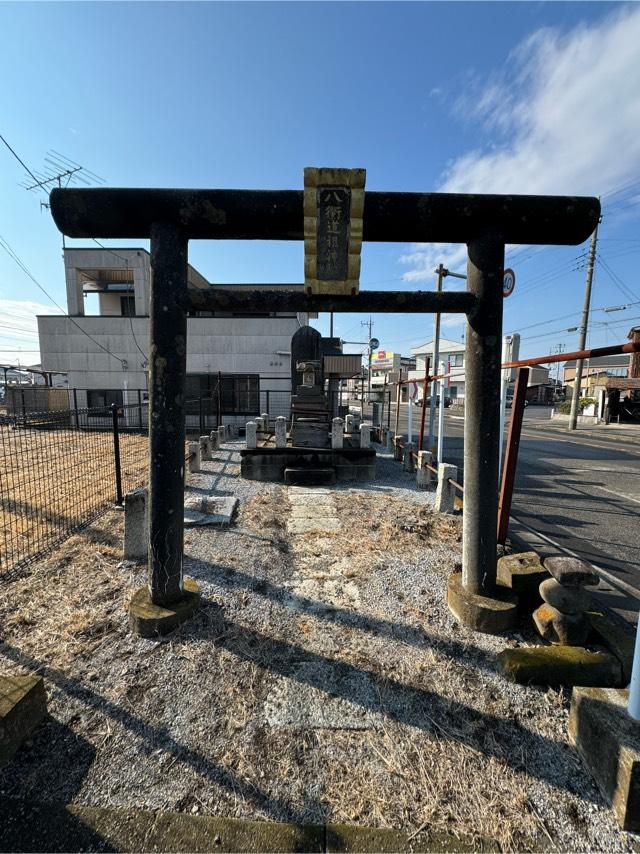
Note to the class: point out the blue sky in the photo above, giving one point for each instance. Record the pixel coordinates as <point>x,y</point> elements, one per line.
<point>476,97</point>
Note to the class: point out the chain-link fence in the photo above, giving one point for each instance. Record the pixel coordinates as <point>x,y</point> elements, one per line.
<point>59,470</point>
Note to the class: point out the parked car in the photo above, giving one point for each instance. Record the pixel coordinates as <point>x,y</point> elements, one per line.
<point>447,402</point>
<point>510,402</point>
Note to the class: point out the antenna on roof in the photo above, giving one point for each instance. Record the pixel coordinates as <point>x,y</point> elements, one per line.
<point>59,170</point>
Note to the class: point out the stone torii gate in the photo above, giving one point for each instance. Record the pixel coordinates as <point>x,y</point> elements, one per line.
<point>172,217</point>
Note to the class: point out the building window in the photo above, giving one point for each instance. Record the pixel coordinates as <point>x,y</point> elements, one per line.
<point>102,399</point>
<point>128,306</point>
<point>456,360</point>
<point>239,393</point>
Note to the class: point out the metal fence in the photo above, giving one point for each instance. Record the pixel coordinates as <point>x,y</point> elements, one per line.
<point>59,471</point>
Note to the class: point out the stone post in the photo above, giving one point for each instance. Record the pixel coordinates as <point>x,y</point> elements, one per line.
<point>235,431</point>
<point>365,435</point>
<point>136,525</point>
<point>222,433</point>
<point>424,477</point>
<point>214,436</point>
<point>281,432</point>
<point>397,448</point>
<point>194,457</point>
<point>265,422</point>
<point>408,463</point>
<point>206,448</point>
<point>337,435</point>
<point>348,424</point>
<point>446,492</point>
<point>251,435</point>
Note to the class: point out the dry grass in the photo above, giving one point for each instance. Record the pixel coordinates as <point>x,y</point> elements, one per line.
<point>54,481</point>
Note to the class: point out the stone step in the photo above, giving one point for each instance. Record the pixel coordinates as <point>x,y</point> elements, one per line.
<point>309,477</point>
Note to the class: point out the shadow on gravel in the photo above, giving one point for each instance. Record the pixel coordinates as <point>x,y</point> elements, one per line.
<point>154,736</point>
<point>234,579</point>
<point>442,717</point>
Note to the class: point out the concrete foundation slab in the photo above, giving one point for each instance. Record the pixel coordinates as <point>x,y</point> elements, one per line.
<point>560,665</point>
<point>491,615</point>
<point>23,707</point>
<point>608,741</point>
<point>149,620</point>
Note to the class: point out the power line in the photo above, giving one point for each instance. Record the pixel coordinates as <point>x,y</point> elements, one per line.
<point>19,159</point>
<point>7,248</point>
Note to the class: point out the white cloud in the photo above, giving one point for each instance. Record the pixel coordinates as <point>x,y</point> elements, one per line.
<point>561,117</point>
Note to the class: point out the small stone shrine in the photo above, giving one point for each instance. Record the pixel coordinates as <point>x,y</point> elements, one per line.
<point>561,618</point>
<point>310,409</point>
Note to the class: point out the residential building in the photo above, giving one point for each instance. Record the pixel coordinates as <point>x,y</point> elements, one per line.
<point>595,372</point>
<point>106,354</point>
<point>451,354</point>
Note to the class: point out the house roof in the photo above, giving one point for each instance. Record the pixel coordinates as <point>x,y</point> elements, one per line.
<point>446,345</point>
<point>621,361</point>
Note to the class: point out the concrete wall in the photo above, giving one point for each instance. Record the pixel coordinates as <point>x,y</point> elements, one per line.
<point>232,345</point>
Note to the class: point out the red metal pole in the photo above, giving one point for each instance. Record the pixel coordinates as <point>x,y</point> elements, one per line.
<point>614,350</point>
<point>511,454</point>
<point>425,388</point>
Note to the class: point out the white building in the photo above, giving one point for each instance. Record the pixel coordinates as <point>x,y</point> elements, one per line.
<point>451,353</point>
<point>106,353</point>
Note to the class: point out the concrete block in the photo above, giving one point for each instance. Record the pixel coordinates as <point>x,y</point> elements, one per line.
<point>365,435</point>
<point>445,491</point>
<point>424,476</point>
<point>337,434</point>
<point>209,510</point>
<point>408,462</point>
<point>560,665</point>
<point>251,435</point>
<point>214,436</point>
<point>608,741</point>
<point>348,424</point>
<point>397,449</point>
<point>523,573</point>
<point>149,620</point>
<point>193,449</point>
<point>618,636</point>
<point>281,432</point>
<point>222,434</point>
<point>23,707</point>
<point>136,525</point>
<point>206,449</point>
<point>389,440</point>
<point>492,615</point>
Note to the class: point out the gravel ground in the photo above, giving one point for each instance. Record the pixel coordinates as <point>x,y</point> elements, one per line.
<point>323,678</point>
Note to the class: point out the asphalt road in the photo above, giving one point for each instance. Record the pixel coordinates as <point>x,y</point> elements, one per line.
<point>582,493</point>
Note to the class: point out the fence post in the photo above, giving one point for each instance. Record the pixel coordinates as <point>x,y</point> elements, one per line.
<point>116,452</point>
<point>219,416</point>
<point>425,389</point>
<point>75,406</point>
<point>140,409</point>
<point>511,454</point>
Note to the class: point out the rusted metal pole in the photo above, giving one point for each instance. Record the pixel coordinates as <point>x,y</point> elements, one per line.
<point>425,389</point>
<point>398,393</point>
<point>168,351</point>
<point>482,414</point>
<point>511,455</point>
<point>613,350</point>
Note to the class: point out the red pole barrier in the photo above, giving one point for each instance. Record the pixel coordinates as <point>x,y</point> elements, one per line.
<point>511,454</point>
<point>425,388</point>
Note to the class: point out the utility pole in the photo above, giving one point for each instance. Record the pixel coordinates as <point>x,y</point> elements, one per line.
<point>575,397</point>
<point>330,324</point>
<point>369,324</point>
<point>441,271</point>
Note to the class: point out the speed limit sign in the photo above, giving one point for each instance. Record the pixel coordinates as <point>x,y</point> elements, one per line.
<point>508,282</point>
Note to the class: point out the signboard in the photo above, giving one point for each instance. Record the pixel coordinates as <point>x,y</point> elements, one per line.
<point>508,282</point>
<point>374,344</point>
<point>333,210</point>
<point>382,360</point>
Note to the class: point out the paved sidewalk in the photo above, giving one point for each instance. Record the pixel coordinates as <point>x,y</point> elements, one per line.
<point>626,433</point>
